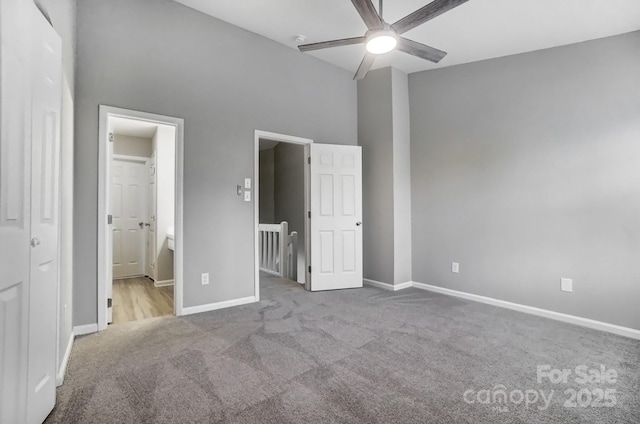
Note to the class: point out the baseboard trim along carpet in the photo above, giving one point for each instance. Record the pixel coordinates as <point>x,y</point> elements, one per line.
<point>163,283</point>
<point>388,286</point>
<point>571,319</point>
<point>218,305</point>
<point>65,361</point>
<point>81,330</point>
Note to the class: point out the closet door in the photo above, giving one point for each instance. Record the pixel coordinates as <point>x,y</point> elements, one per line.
<point>15,199</point>
<point>45,172</point>
<point>30,93</point>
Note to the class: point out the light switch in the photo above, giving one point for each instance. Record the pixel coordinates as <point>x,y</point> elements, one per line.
<point>247,183</point>
<point>247,196</point>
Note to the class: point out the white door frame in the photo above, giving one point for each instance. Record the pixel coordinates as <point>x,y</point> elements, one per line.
<point>107,112</point>
<point>266,135</point>
<point>144,161</point>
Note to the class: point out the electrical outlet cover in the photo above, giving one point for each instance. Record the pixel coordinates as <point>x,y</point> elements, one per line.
<point>566,285</point>
<point>455,267</point>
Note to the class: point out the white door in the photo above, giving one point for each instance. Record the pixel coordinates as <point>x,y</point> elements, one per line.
<point>15,202</point>
<point>45,172</point>
<point>151,233</point>
<point>129,210</point>
<point>109,218</point>
<point>29,155</point>
<point>336,214</point>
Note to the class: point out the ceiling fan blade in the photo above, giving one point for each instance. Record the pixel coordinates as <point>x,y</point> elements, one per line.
<point>364,67</point>
<point>420,50</point>
<point>332,43</point>
<point>368,13</point>
<point>426,13</point>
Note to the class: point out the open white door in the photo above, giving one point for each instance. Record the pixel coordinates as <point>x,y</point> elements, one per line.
<point>151,233</point>
<point>336,214</point>
<point>109,246</point>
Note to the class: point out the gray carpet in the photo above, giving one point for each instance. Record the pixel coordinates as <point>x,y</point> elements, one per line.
<point>352,356</point>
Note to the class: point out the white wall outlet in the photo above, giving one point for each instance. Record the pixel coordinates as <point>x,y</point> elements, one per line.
<point>455,267</point>
<point>247,183</point>
<point>247,196</point>
<point>566,285</point>
<point>204,278</point>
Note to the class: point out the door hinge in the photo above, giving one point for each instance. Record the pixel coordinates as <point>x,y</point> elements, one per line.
<point>309,160</point>
<point>109,219</point>
<point>111,137</point>
<point>309,269</point>
<point>309,214</point>
<point>109,302</point>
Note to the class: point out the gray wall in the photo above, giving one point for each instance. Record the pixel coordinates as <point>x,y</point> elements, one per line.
<point>161,57</point>
<point>375,135</point>
<point>267,207</point>
<point>132,146</point>
<point>62,14</point>
<point>401,177</point>
<point>384,133</point>
<point>526,169</point>
<point>289,193</point>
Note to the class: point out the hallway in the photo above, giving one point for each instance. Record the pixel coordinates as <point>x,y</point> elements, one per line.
<point>137,298</point>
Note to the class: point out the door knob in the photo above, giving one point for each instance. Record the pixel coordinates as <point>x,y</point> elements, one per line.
<point>35,242</point>
<point>359,223</point>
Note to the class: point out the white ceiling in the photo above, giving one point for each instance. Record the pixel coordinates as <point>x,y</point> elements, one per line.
<point>476,30</point>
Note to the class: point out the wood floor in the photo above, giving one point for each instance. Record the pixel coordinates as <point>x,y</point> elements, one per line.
<point>137,298</point>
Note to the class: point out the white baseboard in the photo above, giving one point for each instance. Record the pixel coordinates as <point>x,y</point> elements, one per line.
<point>81,330</point>
<point>163,283</point>
<point>65,361</point>
<point>388,286</point>
<point>572,319</point>
<point>218,305</point>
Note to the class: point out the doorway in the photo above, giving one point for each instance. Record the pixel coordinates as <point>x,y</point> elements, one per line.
<point>140,216</point>
<point>333,213</point>
<point>289,154</point>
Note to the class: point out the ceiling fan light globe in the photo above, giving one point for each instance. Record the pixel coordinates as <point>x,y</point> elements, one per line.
<point>381,43</point>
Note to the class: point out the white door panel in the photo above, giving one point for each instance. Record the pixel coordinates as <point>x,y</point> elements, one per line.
<point>336,211</point>
<point>110,233</point>
<point>15,198</point>
<point>129,209</point>
<point>151,233</point>
<point>45,150</point>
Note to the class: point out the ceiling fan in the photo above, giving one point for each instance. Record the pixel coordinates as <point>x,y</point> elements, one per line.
<point>382,37</point>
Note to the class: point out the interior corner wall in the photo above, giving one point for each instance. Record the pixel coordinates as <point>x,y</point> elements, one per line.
<point>375,135</point>
<point>289,201</point>
<point>525,170</point>
<point>266,184</point>
<point>161,57</point>
<point>401,177</point>
<point>384,133</point>
<point>164,142</point>
<point>62,14</point>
